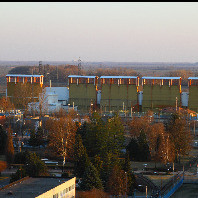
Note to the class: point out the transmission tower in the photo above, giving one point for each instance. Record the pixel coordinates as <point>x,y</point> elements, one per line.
<point>40,67</point>
<point>79,66</point>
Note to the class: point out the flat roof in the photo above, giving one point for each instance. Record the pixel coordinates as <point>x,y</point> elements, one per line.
<point>78,76</point>
<point>163,78</point>
<point>193,78</point>
<point>118,76</point>
<point>22,75</point>
<point>32,187</point>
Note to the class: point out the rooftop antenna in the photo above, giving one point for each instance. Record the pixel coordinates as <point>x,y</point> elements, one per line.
<point>79,66</point>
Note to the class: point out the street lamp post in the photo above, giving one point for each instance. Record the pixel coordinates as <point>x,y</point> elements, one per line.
<point>126,183</point>
<point>146,191</point>
<point>173,172</point>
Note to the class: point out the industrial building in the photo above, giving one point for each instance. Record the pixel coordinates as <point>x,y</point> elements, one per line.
<point>107,93</point>
<point>161,92</point>
<point>22,89</point>
<point>193,93</point>
<point>118,92</point>
<point>83,92</point>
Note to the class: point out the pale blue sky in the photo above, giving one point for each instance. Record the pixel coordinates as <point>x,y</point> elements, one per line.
<point>99,31</point>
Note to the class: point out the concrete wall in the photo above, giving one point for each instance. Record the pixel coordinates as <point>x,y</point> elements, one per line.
<point>65,190</point>
<point>113,96</point>
<point>156,96</point>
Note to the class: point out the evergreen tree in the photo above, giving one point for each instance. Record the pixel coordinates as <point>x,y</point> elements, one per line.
<point>35,166</point>
<point>133,148</point>
<point>91,179</point>
<point>33,140</point>
<point>9,150</point>
<point>3,138</point>
<point>131,181</point>
<point>109,161</point>
<point>20,173</point>
<point>98,163</point>
<point>40,137</point>
<point>80,157</point>
<point>143,148</point>
<point>95,139</point>
<point>115,139</point>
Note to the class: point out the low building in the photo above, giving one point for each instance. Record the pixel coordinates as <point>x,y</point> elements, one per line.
<point>41,188</point>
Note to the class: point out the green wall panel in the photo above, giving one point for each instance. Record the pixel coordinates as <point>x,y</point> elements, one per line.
<point>156,96</point>
<point>113,96</point>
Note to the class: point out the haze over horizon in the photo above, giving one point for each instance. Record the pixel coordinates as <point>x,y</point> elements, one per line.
<point>99,31</point>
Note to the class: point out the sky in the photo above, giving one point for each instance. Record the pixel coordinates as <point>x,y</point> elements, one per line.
<point>99,31</point>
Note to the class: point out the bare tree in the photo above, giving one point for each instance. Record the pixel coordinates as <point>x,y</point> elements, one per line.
<point>61,136</point>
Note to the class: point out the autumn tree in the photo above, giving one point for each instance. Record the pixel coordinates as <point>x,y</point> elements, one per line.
<point>180,136</point>
<point>94,193</point>
<point>138,125</point>
<point>117,183</point>
<point>61,136</point>
<point>3,166</point>
<point>5,104</point>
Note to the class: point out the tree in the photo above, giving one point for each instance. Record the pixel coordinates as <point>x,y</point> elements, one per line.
<point>94,193</point>
<point>3,138</point>
<point>132,148</point>
<point>143,148</point>
<point>95,138</point>
<point>117,182</point>
<point>61,137</point>
<point>43,103</point>
<point>35,166</point>
<point>9,150</point>
<point>5,104</point>
<point>109,160</point>
<point>137,125</point>
<point>20,173</point>
<point>115,139</point>
<point>33,140</point>
<point>131,181</point>
<point>180,136</point>
<point>91,179</point>
<point>3,166</point>
<point>40,138</point>
<point>100,137</point>
<point>80,157</point>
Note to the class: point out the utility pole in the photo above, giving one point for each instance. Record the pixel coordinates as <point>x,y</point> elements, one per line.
<point>57,73</point>
<point>194,127</point>
<point>176,103</point>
